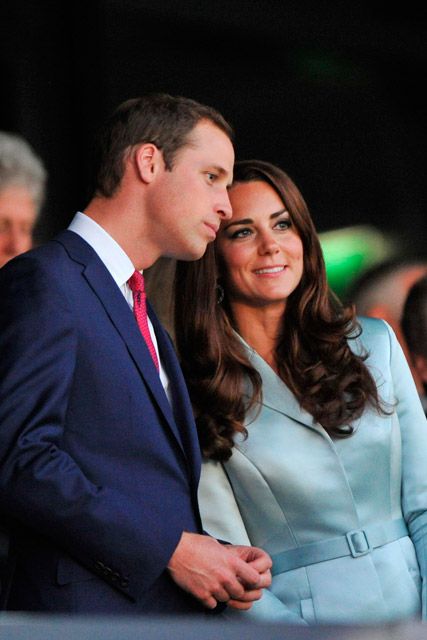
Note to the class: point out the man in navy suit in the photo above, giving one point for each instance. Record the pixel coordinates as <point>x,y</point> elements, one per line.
<point>99,460</point>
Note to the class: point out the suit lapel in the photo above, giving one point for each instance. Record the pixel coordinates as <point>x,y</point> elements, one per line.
<point>117,309</point>
<point>182,409</point>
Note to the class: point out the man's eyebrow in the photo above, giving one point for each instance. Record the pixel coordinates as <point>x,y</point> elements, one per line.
<point>222,172</point>
<point>274,215</point>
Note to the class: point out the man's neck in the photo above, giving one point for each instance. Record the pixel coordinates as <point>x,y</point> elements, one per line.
<point>124,223</point>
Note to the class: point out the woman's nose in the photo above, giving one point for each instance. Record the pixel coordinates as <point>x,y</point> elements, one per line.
<point>268,244</point>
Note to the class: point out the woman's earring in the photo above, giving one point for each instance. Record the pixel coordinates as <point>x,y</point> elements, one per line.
<point>219,293</point>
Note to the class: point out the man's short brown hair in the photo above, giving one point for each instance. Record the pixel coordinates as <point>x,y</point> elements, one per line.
<point>160,119</point>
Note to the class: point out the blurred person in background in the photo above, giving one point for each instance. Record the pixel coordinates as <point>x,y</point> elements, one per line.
<point>414,327</point>
<point>380,292</point>
<point>22,192</point>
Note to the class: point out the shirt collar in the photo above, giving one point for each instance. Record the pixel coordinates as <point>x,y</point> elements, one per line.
<point>110,252</point>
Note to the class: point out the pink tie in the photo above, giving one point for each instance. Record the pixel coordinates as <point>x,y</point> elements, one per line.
<point>136,284</point>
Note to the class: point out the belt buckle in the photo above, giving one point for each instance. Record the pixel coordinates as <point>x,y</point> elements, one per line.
<point>358,543</point>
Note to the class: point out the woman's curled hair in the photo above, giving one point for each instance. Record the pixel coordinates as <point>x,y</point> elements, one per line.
<point>313,355</point>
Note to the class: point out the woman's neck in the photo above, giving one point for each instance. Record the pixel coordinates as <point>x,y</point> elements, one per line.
<point>260,328</point>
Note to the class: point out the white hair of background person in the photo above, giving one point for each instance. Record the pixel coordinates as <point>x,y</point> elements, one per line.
<point>20,166</point>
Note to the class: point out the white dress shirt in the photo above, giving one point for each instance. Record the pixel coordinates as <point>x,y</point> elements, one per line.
<point>120,267</point>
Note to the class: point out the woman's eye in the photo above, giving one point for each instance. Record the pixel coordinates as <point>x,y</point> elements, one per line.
<point>241,233</point>
<point>211,177</point>
<point>283,224</point>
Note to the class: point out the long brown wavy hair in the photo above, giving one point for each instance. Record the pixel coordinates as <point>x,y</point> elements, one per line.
<point>313,355</point>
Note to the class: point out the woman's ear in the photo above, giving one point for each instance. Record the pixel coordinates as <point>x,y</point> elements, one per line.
<point>148,160</point>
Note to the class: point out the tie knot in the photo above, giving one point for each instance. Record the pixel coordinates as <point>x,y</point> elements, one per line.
<point>136,282</point>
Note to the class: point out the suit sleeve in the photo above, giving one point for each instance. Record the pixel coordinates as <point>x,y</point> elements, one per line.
<point>221,519</point>
<point>41,485</point>
<point>413,427</point>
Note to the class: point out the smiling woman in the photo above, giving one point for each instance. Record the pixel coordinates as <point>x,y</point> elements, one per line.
<point>260,249</point>
<point>287,313</point>
<point>314,436</point>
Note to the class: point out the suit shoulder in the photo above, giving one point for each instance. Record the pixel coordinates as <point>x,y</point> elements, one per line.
<point>44,253</point>
<point>43,268</point>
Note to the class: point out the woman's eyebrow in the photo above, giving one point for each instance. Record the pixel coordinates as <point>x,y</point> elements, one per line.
<point>276,214</point>
<point>242,221</point>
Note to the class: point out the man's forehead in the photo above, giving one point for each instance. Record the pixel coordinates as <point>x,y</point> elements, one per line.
<point>206,129</point>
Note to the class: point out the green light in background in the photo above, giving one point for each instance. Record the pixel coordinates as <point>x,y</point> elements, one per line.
<point>350,251</point>
<point>326,67</point>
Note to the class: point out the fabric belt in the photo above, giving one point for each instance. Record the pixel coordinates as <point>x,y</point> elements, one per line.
<point>356,543</point>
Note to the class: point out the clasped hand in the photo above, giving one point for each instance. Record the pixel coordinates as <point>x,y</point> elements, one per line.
<point>213,572</point>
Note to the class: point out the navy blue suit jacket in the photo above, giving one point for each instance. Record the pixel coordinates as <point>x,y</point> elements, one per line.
<point>98,475</point>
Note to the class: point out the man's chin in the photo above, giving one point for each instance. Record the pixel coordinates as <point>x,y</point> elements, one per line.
<point>193,253</point>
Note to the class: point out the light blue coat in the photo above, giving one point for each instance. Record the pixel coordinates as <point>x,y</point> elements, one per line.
<point>290,484</point>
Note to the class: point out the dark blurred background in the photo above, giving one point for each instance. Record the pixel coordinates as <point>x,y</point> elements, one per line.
<point>331,91</point>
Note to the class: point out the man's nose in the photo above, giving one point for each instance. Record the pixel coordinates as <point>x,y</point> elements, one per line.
<point>224,208</point>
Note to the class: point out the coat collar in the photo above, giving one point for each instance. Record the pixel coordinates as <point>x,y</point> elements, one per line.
<point>275,393</point>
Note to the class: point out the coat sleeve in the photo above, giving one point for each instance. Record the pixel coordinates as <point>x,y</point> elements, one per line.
<point>42,486</point>
<point>221,519</point>
<point>413,428</point>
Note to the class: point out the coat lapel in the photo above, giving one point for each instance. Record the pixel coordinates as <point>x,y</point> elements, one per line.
<point>276,395</point>
<point>117,309</point>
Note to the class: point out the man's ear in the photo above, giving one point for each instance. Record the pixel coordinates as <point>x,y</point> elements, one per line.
<point>148,161</point>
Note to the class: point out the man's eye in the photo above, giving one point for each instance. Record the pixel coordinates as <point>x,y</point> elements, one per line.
<point>211,176</point>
